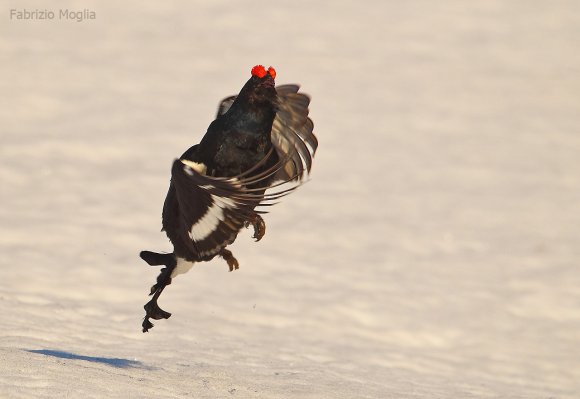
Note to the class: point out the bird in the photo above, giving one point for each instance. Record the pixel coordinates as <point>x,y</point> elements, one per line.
<point>259,148</point>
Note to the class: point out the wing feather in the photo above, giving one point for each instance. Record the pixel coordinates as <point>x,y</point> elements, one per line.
<point>212,210</point>
<point>292,132</point>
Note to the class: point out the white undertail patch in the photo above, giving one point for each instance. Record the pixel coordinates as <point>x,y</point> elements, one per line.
<point>182,267</point>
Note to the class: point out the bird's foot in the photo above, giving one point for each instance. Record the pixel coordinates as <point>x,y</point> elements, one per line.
<point>230,259</point>
<point>259,226</point>
<point>157,259</point>
<point>153,311</point>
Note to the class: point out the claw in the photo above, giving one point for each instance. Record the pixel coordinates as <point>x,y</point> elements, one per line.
<point>153,311</point>
<point>233,264</point>
<point>147,325</point>
<point>259,226</point>
<point>230,259</point>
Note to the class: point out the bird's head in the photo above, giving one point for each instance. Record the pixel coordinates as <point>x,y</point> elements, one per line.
<point>263,76</point>
<point>260,87</point>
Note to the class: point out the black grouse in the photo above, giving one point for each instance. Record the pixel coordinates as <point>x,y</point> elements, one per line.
<point>261,139</point>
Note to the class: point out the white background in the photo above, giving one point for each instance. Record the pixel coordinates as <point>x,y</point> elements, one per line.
<point>433,254</point>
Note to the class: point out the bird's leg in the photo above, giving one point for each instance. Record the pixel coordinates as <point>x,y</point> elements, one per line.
<point>152,309</point>
<point>229,257</point>
<point>259,226</point>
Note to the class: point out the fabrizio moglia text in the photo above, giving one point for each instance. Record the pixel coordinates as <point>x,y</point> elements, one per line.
<point>48,15</point>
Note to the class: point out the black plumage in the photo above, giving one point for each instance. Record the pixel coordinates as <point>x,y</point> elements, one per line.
<point>261,139</point>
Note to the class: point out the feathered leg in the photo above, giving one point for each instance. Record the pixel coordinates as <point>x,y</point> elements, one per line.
<point>152,309</point>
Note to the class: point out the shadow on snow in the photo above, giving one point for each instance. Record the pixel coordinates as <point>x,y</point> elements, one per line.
<point>113,362</point>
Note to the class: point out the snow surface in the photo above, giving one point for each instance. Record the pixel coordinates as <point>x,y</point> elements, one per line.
<point>434,253</point>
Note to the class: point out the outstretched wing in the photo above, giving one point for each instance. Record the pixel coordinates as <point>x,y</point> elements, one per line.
<point>292,132</point>
<point>292,135</point>
<point>210,211</point>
